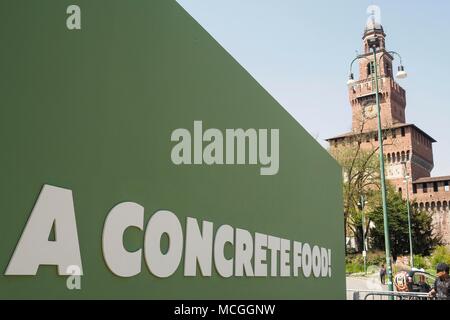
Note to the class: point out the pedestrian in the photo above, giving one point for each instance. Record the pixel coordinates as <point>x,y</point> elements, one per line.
<point>441,286</point>
<point>423,286</point>
<point>383,274</point>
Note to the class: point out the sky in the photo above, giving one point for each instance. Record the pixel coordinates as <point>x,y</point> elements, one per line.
<point>300,52</point>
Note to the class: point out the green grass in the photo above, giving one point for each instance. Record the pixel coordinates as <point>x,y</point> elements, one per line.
<point>354,268</point>
<point>355,262</point>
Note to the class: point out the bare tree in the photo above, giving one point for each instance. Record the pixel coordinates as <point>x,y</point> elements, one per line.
<point>358,157</point>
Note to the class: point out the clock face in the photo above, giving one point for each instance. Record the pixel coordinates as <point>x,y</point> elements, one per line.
<point>394,171</point>
<point>369,109</point>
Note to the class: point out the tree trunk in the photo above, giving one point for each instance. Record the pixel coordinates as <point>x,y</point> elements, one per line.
<point>345,233</point>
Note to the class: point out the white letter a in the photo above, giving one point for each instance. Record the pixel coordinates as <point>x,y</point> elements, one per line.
<point>54,206</point>
<point>73,21</point>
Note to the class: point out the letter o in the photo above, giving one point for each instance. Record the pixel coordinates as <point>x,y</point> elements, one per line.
<point>163,265</point>
<point>306,260</point>
<point>316,261</point>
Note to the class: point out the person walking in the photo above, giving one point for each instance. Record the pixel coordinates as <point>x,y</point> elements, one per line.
<point>441,286</point>
<point>383,274</point>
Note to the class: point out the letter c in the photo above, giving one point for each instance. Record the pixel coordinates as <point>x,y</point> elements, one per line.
<point>122,262</point>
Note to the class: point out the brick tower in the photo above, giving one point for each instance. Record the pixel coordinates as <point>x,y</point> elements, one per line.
<point>407,149</point>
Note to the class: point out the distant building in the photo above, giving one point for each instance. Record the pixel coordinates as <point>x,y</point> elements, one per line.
<point>406,146</point>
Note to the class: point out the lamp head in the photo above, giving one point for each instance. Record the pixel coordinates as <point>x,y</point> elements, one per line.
<point>351,80</point>
<point>401,74</point>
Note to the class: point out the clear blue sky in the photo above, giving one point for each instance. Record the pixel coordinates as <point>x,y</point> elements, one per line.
<point>300,51</point>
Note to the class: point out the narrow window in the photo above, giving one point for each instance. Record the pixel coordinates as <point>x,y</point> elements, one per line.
<point>388,69</point>
<point>414,188</point>
<point>370,68</point>
<point>435,187</point>
<point>446,187</point>
<point>424,187</point>
<point>403,132</point>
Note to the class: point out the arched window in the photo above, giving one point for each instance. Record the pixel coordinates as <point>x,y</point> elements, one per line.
<point>421,206</point>
<point>433,206</point>
<point>427,206</point>
<point>408,155</point>
<point>403,156</point>
<point>393,157</point>
<point>398,156</point>
<point>438,206</point>
<point>444,205</point>
<point>389,158</point>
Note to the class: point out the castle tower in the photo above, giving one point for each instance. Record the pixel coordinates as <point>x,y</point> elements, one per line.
<point>407,149</point>
<point>362,93</point>
<point>404,144</point>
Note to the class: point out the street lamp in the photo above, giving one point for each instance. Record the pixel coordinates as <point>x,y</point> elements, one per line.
<point>374,43</point>
<point>406,176</point>
<point>401,74</point>
<point>361,205</point>
<point>351,80</point>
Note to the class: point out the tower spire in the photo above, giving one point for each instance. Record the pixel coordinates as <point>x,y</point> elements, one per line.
<point>373,28</point>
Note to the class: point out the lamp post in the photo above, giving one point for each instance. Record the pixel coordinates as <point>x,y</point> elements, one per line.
<point>361,204</point>
<point>374,44</point>
<point>406,176</point>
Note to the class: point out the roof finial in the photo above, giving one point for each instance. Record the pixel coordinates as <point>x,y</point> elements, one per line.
<point>374,20</point>
<point>373,16</point>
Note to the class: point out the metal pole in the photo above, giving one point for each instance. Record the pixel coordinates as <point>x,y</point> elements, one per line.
<point>363,234</point>
<point>411,256</point>
<point>383,182</point>
<point>364,246</point>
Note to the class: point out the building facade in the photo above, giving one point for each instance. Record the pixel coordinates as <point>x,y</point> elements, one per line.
<point>408,150</point>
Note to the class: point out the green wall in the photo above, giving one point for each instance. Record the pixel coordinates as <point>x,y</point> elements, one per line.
<point>92,111</point>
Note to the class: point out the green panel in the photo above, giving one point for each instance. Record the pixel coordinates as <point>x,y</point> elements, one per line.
<point>92,110</point>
